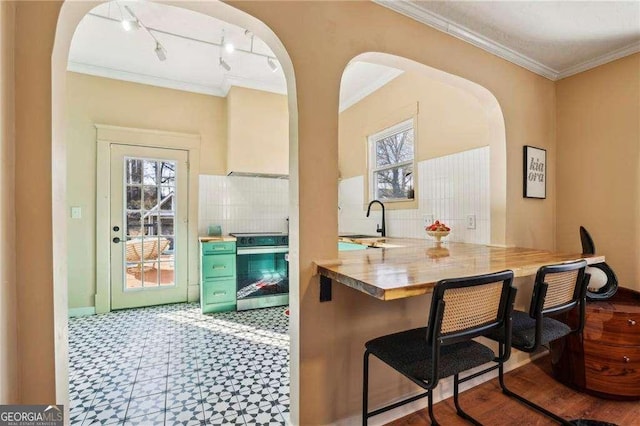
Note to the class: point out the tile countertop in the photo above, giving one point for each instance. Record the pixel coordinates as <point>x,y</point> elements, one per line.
<point>410,267</point>
<point>216,239</point>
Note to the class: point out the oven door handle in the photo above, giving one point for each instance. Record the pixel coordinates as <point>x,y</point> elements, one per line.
<point>262,250</point>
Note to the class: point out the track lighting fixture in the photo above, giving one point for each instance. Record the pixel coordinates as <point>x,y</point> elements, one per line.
<point>224,64</point>
<point>160,52</point>
<point>129,24</point>
<point>130,21</point>
<point>272,64</point>
<point>229,47</point>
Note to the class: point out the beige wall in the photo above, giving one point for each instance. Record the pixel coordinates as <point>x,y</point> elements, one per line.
<point>95,100</point>
<point>258,132</point>
<point>34,24</point>
<point>599,163</point>
<point>332,334</point>
<point>8,326</point>
<point>320,38</point>
<point>449,120</point>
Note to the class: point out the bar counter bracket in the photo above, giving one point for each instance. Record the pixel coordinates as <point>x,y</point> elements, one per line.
<point>325,289</point>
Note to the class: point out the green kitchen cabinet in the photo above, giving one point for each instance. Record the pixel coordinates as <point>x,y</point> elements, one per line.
<point>217,276</point>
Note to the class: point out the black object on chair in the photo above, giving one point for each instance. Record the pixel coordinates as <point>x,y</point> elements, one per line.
<point>601,273</point>
<point>461,309</point>
<point>557,289</point>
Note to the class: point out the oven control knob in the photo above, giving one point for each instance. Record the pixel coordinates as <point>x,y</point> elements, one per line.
<point>250,240</point>
<point>242,241</point>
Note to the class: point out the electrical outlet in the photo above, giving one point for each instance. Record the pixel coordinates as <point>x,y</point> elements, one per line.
<point>471,221</point>
<point>427,219</point>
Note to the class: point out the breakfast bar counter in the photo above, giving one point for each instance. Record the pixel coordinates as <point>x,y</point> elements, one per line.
<point>402,267</point>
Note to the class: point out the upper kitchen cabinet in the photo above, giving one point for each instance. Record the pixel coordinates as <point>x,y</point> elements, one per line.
<point>257,133</point>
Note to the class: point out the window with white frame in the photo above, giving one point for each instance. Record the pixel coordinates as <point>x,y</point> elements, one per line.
<point>391,163</point>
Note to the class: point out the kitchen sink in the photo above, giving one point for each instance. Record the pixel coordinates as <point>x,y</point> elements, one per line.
<point>343,246</point>
<point>356,236</point>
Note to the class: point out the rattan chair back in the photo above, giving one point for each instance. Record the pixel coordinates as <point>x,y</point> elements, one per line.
<point>468,307</point>
<point>462,308</point>
<point>558,288</point>
<point>561,289</point>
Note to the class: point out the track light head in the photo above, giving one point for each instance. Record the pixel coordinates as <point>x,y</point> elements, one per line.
<point>160,52</point>
<point>272,64</point>
<point>224,64</point>
<point>229,47</point>
<point>130,24</point>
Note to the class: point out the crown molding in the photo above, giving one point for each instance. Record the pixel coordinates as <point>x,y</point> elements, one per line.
<point>436,21</point>
<point>132,77</point>
<point>250,83</point>
<point>412,10</point>
<point>369,88</point>
<point>221,91</point>
<point>601,60</point>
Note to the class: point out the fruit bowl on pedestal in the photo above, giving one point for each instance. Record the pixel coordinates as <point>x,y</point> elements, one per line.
<point>438,235</point>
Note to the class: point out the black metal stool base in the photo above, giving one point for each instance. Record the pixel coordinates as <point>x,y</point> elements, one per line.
<point>530,404</point>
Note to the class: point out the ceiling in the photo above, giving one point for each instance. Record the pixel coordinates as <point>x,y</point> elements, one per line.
<point>102,47</point>
<point>552,38</point>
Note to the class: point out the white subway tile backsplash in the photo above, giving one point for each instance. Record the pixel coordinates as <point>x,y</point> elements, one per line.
<point>243,204</point>
<point>450,188</point>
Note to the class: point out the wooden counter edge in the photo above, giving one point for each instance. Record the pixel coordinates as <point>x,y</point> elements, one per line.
<point>223,238</point>
<point>320,268</point>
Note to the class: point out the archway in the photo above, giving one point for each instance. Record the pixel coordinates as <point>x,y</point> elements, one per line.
<point>384,112</point>
<point>70,15</point>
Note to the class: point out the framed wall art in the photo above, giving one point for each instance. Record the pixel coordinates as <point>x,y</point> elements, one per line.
<point>535,172</point>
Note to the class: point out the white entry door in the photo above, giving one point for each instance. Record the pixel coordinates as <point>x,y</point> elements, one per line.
<point>148,219</point>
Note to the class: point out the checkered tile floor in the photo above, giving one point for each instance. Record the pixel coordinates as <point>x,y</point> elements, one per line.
<point>173,365</point>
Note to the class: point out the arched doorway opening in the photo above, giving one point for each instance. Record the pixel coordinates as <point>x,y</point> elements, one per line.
<point>69,18</point>
<point>452,119</point>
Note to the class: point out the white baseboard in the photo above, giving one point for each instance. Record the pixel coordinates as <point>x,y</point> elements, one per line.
<point>82,312</point>
<point>442,392</point>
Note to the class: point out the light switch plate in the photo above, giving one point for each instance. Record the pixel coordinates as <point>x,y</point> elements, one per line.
<point>471,221</point>
<point>76,212</point>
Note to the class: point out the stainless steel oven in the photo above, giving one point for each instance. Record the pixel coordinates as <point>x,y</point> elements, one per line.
<point>262,270</point>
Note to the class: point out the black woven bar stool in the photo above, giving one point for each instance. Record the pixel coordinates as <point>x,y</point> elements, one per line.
<point>461,309</point>
<point>557,289</point>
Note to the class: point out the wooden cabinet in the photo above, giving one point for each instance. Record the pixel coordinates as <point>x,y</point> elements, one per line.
<point>605,359</point>
<point>217,276</point>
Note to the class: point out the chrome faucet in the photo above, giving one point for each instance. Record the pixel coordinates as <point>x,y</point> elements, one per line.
<point>381,229</point>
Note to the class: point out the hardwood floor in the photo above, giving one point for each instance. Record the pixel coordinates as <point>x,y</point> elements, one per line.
<point>534,381</point>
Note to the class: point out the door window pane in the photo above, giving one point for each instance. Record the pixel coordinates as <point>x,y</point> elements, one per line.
<point>133,224</point>
<point>166,226</point>
<point>150,274</point>
<point>150,197</point>
<point>133,170</point>
<point>167,198</point>
<point>150,214</point>
<point>150,172</point>
<point>167,172</point>
<point>134,195</point>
